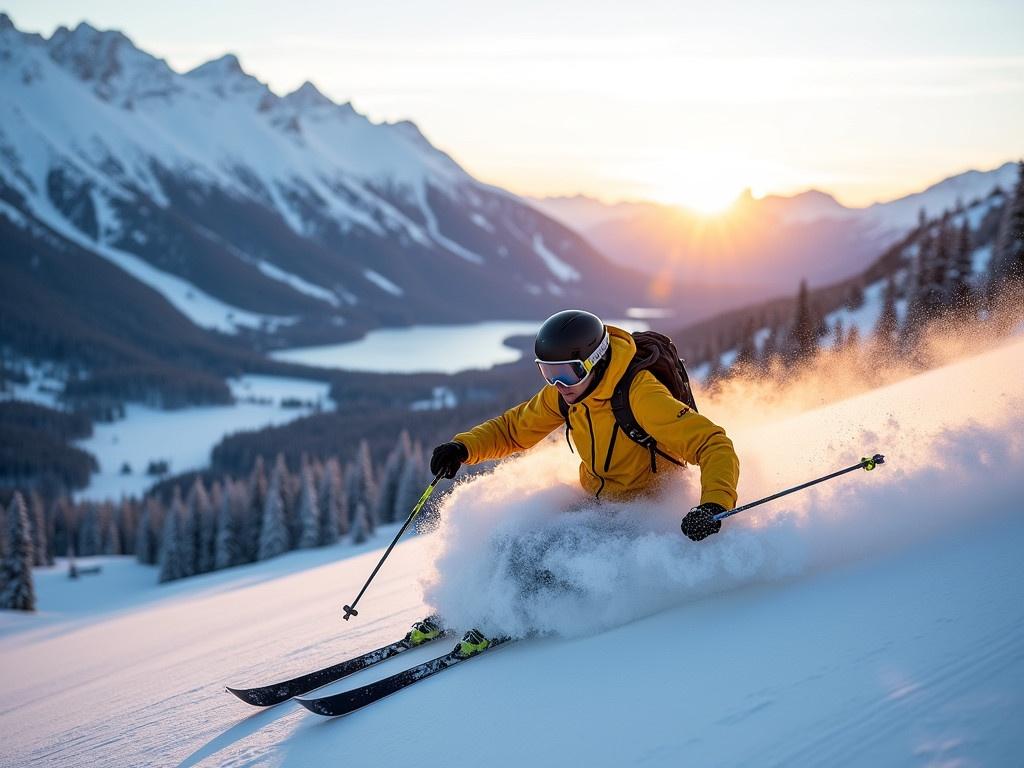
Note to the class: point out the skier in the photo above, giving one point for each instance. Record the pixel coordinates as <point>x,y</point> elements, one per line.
<point>582,360</point>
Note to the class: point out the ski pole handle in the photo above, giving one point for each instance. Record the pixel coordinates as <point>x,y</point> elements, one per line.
<point>866,463</point>
<point>350,610</point>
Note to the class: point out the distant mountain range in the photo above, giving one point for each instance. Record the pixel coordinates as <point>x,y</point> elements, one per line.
<point>283,219</point>
<point>762,246</point>
<point>152,220</point>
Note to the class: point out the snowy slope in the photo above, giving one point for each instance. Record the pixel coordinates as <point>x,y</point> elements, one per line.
<point>901,214</point>
<point>865,317</point>
<point>876,620</point>
<point>184,438</point>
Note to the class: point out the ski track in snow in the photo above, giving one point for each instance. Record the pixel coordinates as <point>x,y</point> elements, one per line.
<point>874,620</point>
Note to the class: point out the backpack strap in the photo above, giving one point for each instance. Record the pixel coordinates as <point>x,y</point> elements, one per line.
<point>563,408</point>
<point>626,420</point>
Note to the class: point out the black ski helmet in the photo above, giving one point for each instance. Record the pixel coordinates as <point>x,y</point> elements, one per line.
<point>572,335</point>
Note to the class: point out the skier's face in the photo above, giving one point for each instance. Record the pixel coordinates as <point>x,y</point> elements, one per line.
<point>573,393</point>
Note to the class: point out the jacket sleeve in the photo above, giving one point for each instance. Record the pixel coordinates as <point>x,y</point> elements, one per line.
<point>687,435</point>
<point>517,429</point>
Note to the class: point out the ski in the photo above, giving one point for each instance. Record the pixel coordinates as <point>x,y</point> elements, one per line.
<point>346,702</point>
<point>275,693</point>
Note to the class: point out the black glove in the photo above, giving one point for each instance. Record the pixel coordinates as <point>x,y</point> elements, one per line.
<point>700,522</point>
<point>447,458</point>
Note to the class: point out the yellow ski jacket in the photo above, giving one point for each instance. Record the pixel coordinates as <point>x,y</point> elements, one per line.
<point>611,465</point>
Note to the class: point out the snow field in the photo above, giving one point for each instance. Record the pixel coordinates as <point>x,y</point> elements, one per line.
<point>946,465</point>
<point>184,437</point>
<point>874,620</point>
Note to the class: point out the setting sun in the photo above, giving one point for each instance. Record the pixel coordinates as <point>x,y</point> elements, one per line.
<point>707,197</point>
<point>704,186</point>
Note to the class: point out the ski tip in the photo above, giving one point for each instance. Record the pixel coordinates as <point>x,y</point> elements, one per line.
<point>257,697</point>
<point>241,693</point>
<point>313,705</point>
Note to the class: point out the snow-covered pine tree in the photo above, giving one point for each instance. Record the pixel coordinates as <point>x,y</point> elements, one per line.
<point>360,523</point>
<point>389,478</point>
<point>172,559</point>
<point>128,515</point>
<point>233,504</point>
<point>888,320</point>
<point>200,515</point>
<point>144,548</point>
<point>111,533</point>
<point>188,535</point>
<point>334,517</point>
<point>90,535</point>
<point>855,296</point>
<point>415,476</point>
<point>747,355</point>
<point>216,502</point>
<point>274,530</point>
<point>770,348</point>
<point>292,496</point>
<point>937,295</point>
<point>317,465</point>
<point>918,276</point>
<point>253,520</point>
<point>18,591</point>
<point>309,511</point>
<point>60,524</point>
<point>959,294</point>
<point>924,295</point>
<point>360,484</point>
<point>40,540</point>
<point>803,337</point>
<point>838,335</point>
<point>1007,264</point>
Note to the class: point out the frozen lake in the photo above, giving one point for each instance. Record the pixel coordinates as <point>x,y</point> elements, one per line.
<point>184,438</point>
<point>426,348</point>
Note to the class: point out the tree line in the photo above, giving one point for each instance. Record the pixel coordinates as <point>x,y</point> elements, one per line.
<point>938,286</point>
<point>231,521</point>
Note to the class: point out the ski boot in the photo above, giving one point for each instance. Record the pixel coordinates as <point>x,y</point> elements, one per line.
<point>472,643</point>
<point>423,631</point>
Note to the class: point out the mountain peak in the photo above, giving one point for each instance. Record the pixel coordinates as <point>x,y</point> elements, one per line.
<point>308,96</point>
<point>803,207</point>
<point>225,67</point>
<point>108,58</point>
<point>225,77</point>
<point>86,39</point>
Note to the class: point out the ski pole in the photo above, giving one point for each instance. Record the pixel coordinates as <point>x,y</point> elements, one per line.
<point>350,610</point>
<point>867,464</point>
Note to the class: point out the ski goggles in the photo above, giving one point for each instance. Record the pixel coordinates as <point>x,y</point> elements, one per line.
<point>572,372</point>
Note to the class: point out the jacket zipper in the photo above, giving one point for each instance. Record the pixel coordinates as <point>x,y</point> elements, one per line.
<point>593,451</point>
<point>611,447</point>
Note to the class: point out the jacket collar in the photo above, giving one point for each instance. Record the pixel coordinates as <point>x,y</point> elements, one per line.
<point>623,348</point>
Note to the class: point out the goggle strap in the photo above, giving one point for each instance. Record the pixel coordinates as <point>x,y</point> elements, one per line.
<point>597,354</point>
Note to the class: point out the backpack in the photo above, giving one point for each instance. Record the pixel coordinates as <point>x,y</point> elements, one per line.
<point>656,353</point>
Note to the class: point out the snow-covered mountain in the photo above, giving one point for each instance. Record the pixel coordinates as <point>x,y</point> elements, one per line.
<point>763,245</point>
<point>877,619</point>
<point>246,208</point>
<point>857,304</point>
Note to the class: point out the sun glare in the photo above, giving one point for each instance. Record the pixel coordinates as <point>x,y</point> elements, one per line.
<point>709,199</point>
<point>704,190</point>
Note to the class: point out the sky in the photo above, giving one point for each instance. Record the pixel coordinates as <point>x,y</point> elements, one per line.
<point>677,101</point>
